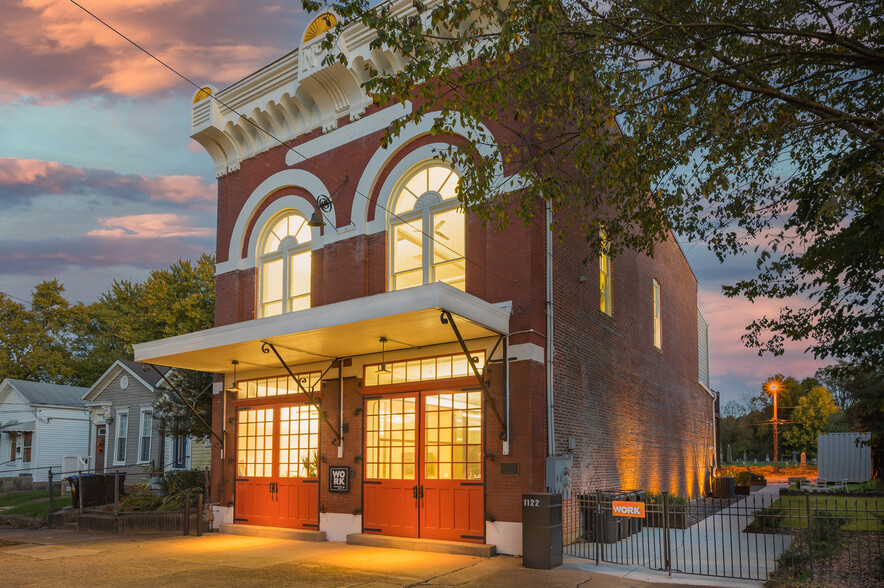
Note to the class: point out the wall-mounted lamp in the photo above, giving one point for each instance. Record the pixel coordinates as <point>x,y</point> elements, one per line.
<point>384,369</point>
<point>235,387</point>
<point>323,204</point>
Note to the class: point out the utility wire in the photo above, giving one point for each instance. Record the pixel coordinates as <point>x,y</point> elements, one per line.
<point>295,151</point>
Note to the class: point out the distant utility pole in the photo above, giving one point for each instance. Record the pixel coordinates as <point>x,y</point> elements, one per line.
<point>772,387</point>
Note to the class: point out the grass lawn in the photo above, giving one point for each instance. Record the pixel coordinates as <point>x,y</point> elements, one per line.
<point>862,513</point>
<point>38,509</point>
<point>10,498</point>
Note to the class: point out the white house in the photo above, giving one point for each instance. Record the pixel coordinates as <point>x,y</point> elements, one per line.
<point>40,424</point>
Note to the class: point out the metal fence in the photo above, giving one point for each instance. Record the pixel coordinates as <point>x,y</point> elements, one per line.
<point>756,537</point>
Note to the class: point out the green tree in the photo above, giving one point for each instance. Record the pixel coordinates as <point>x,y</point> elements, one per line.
<point>750,126</point>
<point>173,414</point>
<point>35,341</point>
<point>811,417</point>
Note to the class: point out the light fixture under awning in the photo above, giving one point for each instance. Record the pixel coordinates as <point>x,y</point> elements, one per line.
<point>408,318</point>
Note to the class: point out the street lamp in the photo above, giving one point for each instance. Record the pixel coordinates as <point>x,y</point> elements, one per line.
<point>772,387</point>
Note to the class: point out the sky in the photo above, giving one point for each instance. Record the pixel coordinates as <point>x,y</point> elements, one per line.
<point>99,180</point>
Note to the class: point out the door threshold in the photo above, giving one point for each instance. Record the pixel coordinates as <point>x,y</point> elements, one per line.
<point>412,544</point>
<point>271,532</point>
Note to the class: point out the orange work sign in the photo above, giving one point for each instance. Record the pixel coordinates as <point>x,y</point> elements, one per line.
<point>628,509</point>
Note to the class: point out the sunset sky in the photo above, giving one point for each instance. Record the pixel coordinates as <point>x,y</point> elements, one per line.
<point>100,181</point>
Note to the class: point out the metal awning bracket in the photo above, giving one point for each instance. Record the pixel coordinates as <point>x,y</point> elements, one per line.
<point>267,347</point>
<point>186,403</point>
<point>448,319</point>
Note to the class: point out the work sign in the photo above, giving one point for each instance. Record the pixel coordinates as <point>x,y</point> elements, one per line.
<point>628,509</point>
<point>339,479</point>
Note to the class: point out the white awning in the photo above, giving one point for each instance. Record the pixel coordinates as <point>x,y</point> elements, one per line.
<point>407,318</point>
<point>18,428</point>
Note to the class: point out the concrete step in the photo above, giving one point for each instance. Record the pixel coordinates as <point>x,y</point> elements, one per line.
<point>433,545</point>
<point>272,532</point>
<point>71,526</point>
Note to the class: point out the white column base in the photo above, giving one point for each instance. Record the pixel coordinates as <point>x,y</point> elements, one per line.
<point>507,537</point>
<point>223,515</point>
<point>338,525</point>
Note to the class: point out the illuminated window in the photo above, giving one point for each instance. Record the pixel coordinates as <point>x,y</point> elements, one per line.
<point>425,369</point>
<point>298,441</point>
<point>254,448</point>
<point>605,276</point>
<point>453,436</point>
<point>658,319</point>
<point>390,428</point>
<point>427,231</point>
<point>276,386</point>
<point>284,266</point>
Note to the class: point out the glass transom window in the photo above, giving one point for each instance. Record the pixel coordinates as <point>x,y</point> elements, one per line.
<point>284,266</point>
<point>427,232</point>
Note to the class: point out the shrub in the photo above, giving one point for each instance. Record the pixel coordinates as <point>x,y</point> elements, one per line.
<point>172,489</point>
<point>652,497</point>
<point>825,531</point>
<point>744,478</point>
<point>769,518</point>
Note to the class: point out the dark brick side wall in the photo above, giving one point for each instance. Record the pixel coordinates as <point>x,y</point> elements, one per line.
<point>341,502</point>
<point>638,415</point>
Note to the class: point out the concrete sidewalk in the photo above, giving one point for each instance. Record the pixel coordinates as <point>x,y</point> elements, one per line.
<point>51,557</point>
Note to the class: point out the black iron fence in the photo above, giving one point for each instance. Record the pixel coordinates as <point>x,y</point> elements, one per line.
<point>758,537</point>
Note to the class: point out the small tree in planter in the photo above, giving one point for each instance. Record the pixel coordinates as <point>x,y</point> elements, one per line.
<point>678,518</point>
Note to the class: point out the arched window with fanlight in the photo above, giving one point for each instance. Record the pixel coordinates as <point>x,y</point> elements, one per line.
<point>427,231</point>
<point>284,265</point>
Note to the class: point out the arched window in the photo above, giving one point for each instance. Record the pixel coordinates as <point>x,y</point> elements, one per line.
<point>427,229</point>
<point>284,266</point>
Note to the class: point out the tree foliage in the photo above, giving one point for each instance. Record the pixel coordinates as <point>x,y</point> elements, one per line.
<point>173,414</point>
<point>810,418</point>
<point>750,125</point>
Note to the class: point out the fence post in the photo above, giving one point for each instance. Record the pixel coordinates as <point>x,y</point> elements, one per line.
<point>809,534</point>
<point>597,523</point>
<point>51,493</point>
<point>186,513</point>
<point>199,515</point>
<point>116,492</point>
<point>80,488</point>
<point>666,554</point>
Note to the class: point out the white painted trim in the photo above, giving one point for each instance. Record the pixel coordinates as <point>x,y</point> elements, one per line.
<point>527,351</point>
<point>123,411</point>
<point>285,179</point>
<point>338,525</point>
<point>506,536</point>
<point>141,434</point>
<point>356,130</point>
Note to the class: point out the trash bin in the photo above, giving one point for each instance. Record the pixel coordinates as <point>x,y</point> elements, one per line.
<point>98,489</point>
<point>541,530</point>
<point>723,487</point>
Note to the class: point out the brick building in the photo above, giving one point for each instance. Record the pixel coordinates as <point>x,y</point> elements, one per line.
<point>436,368</point>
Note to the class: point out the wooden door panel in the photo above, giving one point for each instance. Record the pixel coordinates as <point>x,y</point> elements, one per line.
<point>390,508</point>
<point>298,503</point>
<point>255,504</point>
<point>453,512</point>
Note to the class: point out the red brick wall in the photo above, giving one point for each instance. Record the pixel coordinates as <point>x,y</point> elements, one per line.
<point>637,414</point>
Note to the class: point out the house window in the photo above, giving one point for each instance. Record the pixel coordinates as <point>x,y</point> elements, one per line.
<point>13,442</point>
<point>658,319</point>
<point>427,231</point>
<point>144,436</point>
<point>284,266</point>
<point>605,276</point>
<point>26,447</point>
<point>122,434</point>
<point>179,453</point>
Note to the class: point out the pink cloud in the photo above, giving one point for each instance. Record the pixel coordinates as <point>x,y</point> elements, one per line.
<point>26,178</point>
<point>57,50</point>
<point>149,226</point>
<point>730,360</point>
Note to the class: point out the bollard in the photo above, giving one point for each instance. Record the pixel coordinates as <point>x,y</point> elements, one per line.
<point>116,492</point>
<point>51,493</point>
<point>199,515</point>
<point>186,513</point>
